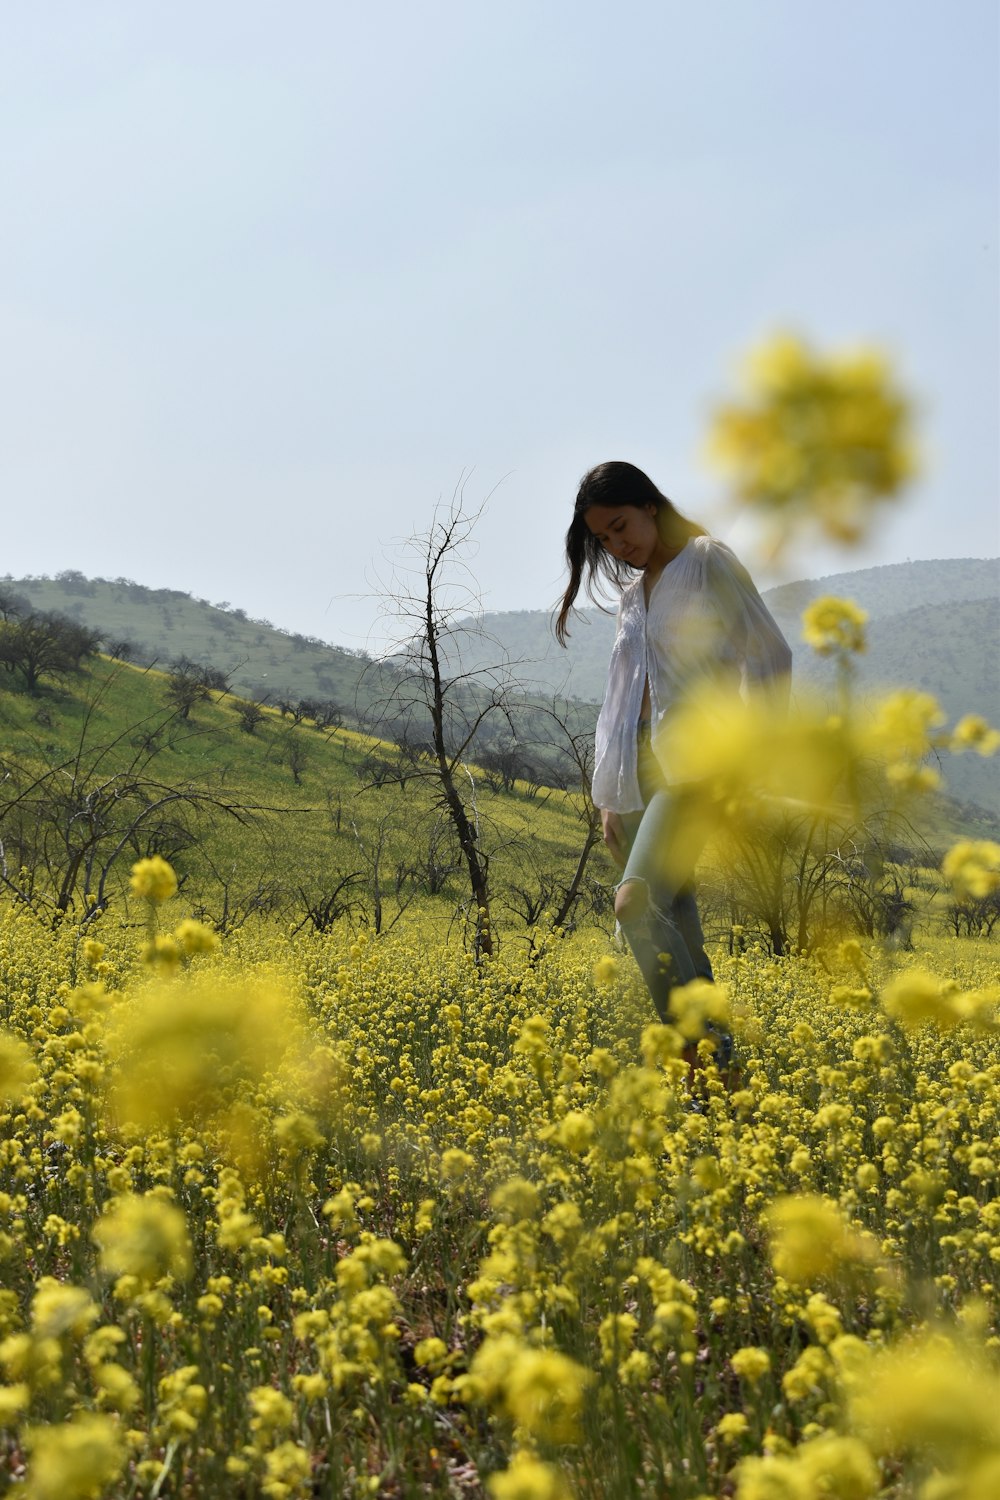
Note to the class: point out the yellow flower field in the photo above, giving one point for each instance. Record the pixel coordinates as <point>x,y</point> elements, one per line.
<point>320,1216</point>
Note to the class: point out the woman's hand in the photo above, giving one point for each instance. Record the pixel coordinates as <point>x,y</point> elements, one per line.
<point>614,835</point>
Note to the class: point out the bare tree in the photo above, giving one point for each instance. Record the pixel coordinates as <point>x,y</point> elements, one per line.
<point>66,826</point>
<point>385,883</point>
<point>423,691</point>
<point>325,905</point>
<point>574,742</point>
<point>296,758</point>
<point>250,716</point>
<point>191,682</point>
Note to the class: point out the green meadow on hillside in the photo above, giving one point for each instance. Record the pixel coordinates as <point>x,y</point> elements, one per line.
<point>289,819</point>
<point>932,625</point>
<point>318,827</point>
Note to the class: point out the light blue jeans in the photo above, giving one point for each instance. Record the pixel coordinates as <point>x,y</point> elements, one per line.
<point>666,937</point>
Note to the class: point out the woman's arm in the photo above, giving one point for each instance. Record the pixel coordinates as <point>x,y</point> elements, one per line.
<point>614,835</point>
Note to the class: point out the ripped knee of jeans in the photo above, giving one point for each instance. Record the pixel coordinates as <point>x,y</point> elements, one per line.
<point>631,901</point>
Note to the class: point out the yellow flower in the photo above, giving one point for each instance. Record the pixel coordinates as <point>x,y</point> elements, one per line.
<point>812,1241</point>
<point>827,1467</point>
<point>35,1360</point>
<point>17,1067</point>
<point>816,438</point>
<point>57,1308</point>
<point>93,952</point>
<point>457,1165</point>
<point>823,1318</point>
<point>162,952</point>
<point>14,1401</point>
<point>809,1374</point>
<point>544,1394</point>
<point>773,1477</point>
<point>606,970</point>
<point>731,1427</point>
<point>432,1353</point>
<point>694,1004</point>
<point>143,1237</point>
<point>915,997</point>
<point>287,1472</point>
<point>272,1411</point>
<point>153,880</point>
<point>541,1390</point>
<point>178,1044</point>
<point>660,1044</point>
<point>751,1364</point>
<point>575,1132</point>
<point>297,1134</point>
<point>973,733</point>
<point>832,625</point>
<point>528,1479</point>
<point>76,1460</point>
<point>617,1334</point>
<point>195,937</point>
<point>972,868</point>
<point>116,1387</point>
<point>515,1200</point>
<point>183,1401</point>
<point>932,1396</point>
<point>901,729</point>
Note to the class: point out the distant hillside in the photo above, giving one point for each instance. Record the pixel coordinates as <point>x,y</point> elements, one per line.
<point>158,626</point>
<point>894,588</point>
<point>949,651</point>
<point>934,625</point>
<point>580,670</point>
<point>310,825</point>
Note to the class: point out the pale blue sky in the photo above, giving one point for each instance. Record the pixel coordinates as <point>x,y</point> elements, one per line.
<point>273,276</point>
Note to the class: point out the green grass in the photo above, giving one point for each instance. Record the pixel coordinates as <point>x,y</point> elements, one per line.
<point>261,841</point>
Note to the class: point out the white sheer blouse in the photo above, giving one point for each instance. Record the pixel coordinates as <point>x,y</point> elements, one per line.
<point>706,624</point>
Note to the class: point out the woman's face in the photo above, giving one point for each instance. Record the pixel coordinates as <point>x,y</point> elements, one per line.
<point>626,531</point>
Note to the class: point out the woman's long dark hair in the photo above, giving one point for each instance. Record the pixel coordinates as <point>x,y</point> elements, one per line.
<point>613,484</point>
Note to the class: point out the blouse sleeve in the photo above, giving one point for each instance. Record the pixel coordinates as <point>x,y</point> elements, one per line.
<point>759,645</point>
<point>615,783</point>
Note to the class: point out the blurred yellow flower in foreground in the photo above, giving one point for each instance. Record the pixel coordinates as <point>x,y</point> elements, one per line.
<point>743,752</point>
<point>833,625</point>
<point>973,732</point>
<point>972,868</point>
<point>935,1397</point>
<point>528,1479</point>
<point>75,1460</point>
<point>153,880</point>
<point>606,970</point>
<point>695,1004</point>
<point>840,1468</point>
<point>541,1390</point>
<point>181,1046</point>
<point>143,1237</point>
<point>915,997</point>
<point>818,439</point>
<point>17,1066</point>
<point>904,723</point>
<point>812,1241</point>
<point>57,1308</point>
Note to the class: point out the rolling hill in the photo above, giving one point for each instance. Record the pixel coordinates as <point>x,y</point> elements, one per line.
<point>288,819</point>
<point>933,625</point>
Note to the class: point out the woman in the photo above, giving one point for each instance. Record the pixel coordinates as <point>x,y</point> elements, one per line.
<point>689,619</point>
